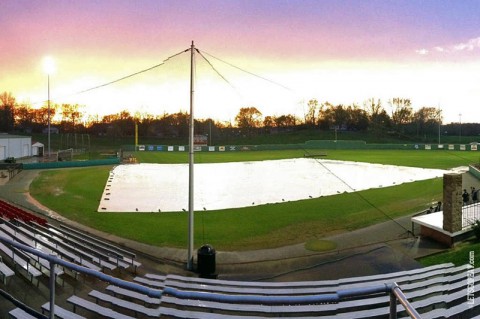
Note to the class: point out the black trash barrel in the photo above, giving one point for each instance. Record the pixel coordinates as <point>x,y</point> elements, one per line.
<point>206,261</point>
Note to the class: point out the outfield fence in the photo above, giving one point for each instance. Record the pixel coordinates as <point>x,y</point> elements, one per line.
<point>65,164</point>
<point>309,145</point>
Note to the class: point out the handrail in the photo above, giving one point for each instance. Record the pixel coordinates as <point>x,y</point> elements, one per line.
<point>392,289</point>
<point>273,300</point>
<point>397,294</point>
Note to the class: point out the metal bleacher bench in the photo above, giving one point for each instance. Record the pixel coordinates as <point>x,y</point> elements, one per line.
<point>128,305</point>
<point>296,288</point>
<point>115,290</point>
<point>20,259</point>
<point>116,254</point>
<point>97,309</point>
<point>21,238</point>
<point>60,312</point>
<point>61,248</point>
<point>440,286</point>
<point>18,313</point>
<point>5,271</point>
<point>86,252</point>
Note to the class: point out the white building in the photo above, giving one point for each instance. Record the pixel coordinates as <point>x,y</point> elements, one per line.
<point>37,149</point>
<point>15,146</point>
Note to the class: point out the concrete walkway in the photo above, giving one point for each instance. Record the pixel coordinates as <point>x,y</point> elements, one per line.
<point>385,247</point>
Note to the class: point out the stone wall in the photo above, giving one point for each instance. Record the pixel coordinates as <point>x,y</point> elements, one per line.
<point>452,202</point>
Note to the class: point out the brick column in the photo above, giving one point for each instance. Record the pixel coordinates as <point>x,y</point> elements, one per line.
<point>452,202</point>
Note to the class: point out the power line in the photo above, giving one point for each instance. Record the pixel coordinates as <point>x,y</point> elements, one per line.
<point>122,78</point>
<point>248,72</point>
<point>214,69</point>
<point>220,75</point>
<point>359,194</point>
<point>133,74</point>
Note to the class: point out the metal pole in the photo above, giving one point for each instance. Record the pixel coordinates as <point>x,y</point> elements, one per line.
<point>398,294</point>
<point>52,289</point>
<point>48,112</point>
<point>191,162</point>
<point>393,306</point>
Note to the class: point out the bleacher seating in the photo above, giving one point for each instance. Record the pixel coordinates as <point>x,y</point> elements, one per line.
<point>10,211</point>
<point>121,256</point>
<point>60,312</point>
<point>20,314</point>
<point>18,258</point>
<point>5,272</point>
<point>435,292</point>
<point>37,262</point>
<point>70,249</point>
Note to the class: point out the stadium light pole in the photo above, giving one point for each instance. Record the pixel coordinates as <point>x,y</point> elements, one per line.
<point>191,162</point>
<point>49,68</point>
<point>439,112</point>
<point>460,128</point>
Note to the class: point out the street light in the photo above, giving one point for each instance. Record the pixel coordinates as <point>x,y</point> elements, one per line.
<point>48,68</point>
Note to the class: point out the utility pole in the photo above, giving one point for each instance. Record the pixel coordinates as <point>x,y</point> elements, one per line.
<point>191,162</point>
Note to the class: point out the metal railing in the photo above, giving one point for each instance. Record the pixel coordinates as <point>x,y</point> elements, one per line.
<point>470,214</point>
<point>392,289</point>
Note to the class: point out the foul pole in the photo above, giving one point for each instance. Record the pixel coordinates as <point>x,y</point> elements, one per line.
<point>191,162</point>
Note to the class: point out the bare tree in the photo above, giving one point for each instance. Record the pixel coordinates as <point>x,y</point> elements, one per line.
<point>379,119</point>
<point>311,113</point>
<point>71,114</point>
<point>402,112</point>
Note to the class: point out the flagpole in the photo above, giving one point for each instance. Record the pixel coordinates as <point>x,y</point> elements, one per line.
<point>191,162</point>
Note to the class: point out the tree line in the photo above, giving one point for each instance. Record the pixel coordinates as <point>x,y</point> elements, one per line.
<point>398,117</point>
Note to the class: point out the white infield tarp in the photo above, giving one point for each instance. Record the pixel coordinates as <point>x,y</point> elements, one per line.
<point>164,187</point>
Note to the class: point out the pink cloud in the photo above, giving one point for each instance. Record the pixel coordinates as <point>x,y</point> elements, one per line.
<point>467,46</point>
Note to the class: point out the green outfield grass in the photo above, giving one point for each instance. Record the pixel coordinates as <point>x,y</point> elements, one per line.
<point>415,158</point>
<point>459,255</point>
<point>76,193</point>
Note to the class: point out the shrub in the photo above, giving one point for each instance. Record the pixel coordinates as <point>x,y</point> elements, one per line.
<point>476,228</point>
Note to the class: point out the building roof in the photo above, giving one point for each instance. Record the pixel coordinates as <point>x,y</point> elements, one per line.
<point>5,136</point>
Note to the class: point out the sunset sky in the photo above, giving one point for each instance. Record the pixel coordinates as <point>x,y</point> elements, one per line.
<point>337,51</point>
